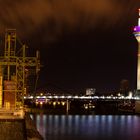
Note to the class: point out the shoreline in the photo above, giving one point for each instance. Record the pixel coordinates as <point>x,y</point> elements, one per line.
<point>31,130</point>
<point>78,112</point>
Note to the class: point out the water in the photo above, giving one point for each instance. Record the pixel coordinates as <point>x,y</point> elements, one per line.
<point>88,127</point>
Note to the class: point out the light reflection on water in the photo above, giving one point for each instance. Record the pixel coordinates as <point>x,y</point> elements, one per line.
<point>88,127</point>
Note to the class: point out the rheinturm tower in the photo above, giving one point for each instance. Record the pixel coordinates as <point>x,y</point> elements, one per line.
<point>137,35</point>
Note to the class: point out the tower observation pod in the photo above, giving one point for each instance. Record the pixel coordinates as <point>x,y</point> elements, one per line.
<point>137,35</point>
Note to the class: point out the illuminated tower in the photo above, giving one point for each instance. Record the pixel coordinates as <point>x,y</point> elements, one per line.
<point>137,35</point>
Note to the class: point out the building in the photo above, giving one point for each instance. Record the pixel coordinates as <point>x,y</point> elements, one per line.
<point>90,91</point>
<point>10,94</point>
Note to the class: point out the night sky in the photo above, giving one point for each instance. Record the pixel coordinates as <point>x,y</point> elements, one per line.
<point>83,43</point>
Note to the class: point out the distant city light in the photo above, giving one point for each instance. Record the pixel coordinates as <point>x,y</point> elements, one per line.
<point>90,91</point>
<point>119,94</point>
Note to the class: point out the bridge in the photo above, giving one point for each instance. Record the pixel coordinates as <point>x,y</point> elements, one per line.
<point>86,102</point>
<point>71,97</point>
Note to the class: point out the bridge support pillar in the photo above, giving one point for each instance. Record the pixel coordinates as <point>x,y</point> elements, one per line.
<point>137,106</point>
<point>67,106</point>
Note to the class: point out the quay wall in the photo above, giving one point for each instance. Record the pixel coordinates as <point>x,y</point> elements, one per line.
<point>18,129</point>
<point>12,129</point>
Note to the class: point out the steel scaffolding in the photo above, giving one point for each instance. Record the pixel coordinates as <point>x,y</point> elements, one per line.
<point>16,65</point>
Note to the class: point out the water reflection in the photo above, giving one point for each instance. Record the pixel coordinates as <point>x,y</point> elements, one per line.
<point>83,127</point>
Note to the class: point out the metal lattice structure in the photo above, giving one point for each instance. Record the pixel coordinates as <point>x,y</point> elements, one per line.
<point>16,65</point>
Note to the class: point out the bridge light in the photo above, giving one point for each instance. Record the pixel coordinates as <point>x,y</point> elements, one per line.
<point>63,103</point>
<point>82,97</point>
<point>89,97</point>
<point>122,97</point>
<point>62,97</point>
<point>108,97</point>
<point>44,97</point>
<point>31,97</point>
<point>41,103</point>
<point>38,97</point>
<point>76,97</point>
<point>69,97</point>
<point>50,97</point>
<point>95,97</point>
<point>86,106</point>
<point>102,97</point>
<point>56,97</point>
<point>54,103</point>
<point>114,98</point>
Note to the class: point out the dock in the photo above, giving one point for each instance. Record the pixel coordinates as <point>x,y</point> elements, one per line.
<point>16,125</point>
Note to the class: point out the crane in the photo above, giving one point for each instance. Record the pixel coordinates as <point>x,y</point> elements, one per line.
<point>15,67</point>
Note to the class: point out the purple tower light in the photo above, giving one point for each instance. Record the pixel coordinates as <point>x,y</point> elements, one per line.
<point>137,35</point>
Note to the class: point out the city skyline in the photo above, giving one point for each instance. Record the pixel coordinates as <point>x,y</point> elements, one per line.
<point>82,44</point>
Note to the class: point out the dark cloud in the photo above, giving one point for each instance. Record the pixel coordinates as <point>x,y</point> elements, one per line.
<point>29,16</point>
